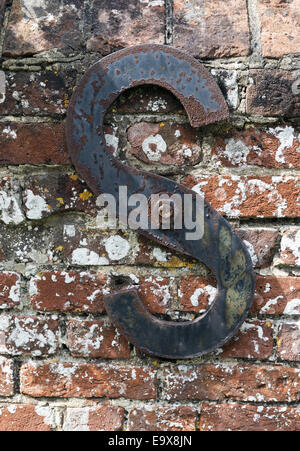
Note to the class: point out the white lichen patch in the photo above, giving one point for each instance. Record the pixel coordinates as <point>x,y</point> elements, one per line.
<point>160,254</point>
<point>153,3</point>
<point>286,137</point>
<point>28,335</point>
<point>77,419</point>
<point>116,247</point>
<point>35,205</point>
<point>112,141</point>
<point>291,244</point>
<point>84,256</point>
<point>2,86</point>
<point>292,307</point>
<point>11,212</point>
<point>251,251</point>
<point>154,147</point>
<point>9,132</point>
<point>47,415</point>
<point>236,152</point>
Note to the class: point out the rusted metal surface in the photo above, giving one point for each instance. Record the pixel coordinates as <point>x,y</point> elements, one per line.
<point>220,249</point>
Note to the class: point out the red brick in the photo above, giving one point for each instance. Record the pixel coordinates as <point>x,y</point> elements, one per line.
<point>290,246</point>
<point>288,342</point>
<point>249,196</point>
<point>246,417</point>
<point>156,293</point>
<point>239,382</point>
<point>98,418</point>
<point>164,143</point>
<point>48,194</point>
<point>276,295</point>
<point>96,339</point>
<point>52,25</point>
<point>10,290</point>
<point>68,291</point>
<point>254,340</point>
<point>212,29</point>
<point>275,147</point>
<point>38,93</point>
<point>125,23</point>
<point>22,417</point>
<point>157,418</point>
<point>6,377</point>
<point>87,380</point>
<point>280,24</point>
<point>261,244</point>
<point>29,335</point>
<point>33,144</point>
<point>273,92</point>
<point>197,293</point>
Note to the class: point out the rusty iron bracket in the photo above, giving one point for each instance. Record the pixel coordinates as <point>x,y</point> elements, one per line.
<point>220,248</point>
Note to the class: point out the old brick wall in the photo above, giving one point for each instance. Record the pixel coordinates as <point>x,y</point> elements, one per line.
<point>62,364</point>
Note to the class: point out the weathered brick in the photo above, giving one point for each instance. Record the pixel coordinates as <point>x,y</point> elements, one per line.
<point>156,418</point>
<point>290,246</point>
<point>276,295</point>
<point>68,291</point>
<point>288,342</point>
<point>239,382</point>
<point>211,29</point>
<point>246,417</point>
<point>34,28</point>
<point>10,289</point>
<point>30,244</point>
<point>33,144</point>
<point>95,246</point>
<point>164,143</point>
<point>48,194</point>
<point>96,339</point>
<point>6,377</point>
<point>248,196</point>
<point>273,147</point>
<point>147,99</point>
<point>273,92</point>
<point>38,93</point>
<point>280,25</point>
<point>98,418</point>
<point>156,293</point>
<point>22,417</point>
<point>124,23</point>
<point>261,243</point>
<point>254,340</point>
<point>149,253</point>
<point>197,293</point>
<point>67,379</point>
<point>28,335</point>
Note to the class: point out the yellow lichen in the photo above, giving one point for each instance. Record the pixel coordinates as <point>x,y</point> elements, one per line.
<point>74,176</point>
<point>59,248</point>
<point>85,195</point>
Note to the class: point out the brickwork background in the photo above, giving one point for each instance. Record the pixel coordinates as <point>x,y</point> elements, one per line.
<point>62,364</point>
